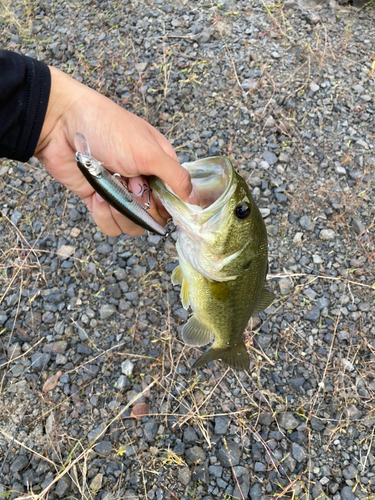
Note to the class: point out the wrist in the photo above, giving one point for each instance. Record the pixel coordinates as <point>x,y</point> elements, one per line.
<point>62,98</point>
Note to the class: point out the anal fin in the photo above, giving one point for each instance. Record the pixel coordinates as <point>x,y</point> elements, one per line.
<point>195,333</point>
<point>265,300</point>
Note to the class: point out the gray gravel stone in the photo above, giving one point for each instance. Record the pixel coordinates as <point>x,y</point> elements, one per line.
<point>37,361</point>
<point>184,475</point>
<point>195,454</point>
<point>327,234</point>
<point>358,227</point>
<point>190,436</point>
<point>287,421</point>
<point>63,486</point>
<point>20,463</point>
<point>285,286</point>
<point>306,223</point>
<point>256,492</point>
<point>103,448</point>
<point>215,470</point>
<point>298,452</point>
<point>221,424</point>
<point>269,157</point>
<point>149,430</point>
<point>127,367</point>
<point>229,455</point>
<point>347,493</point>
<point>107,310</point>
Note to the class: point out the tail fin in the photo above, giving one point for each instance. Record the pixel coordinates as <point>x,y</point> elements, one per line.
<point>235,356</point>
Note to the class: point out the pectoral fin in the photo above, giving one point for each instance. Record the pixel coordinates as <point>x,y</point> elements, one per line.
<point>219,290</point>
<point>235,356</point>
<point>195,333</point>
<point>177,275</point>
<point>265,300</point>
<point>185,294</point>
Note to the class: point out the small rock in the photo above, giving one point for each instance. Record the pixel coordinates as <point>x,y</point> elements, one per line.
<point>16,216</point>
<point>221,424</point>
<point>284,157</point>
<point>259,467</point>
<point>288,421</point>
<point>297,238</point>
<point>97,482</point>
<point>256,492</point>
<point>313,314</point>
<point>63,486</point>
<point>270,157</point>
<point>340,170</point>
<point>184,476</point>
<point>306,223</point>
<point>358,227</point>
<point>38,360</point>
<point>230,454</point>
<point>150,430</point>
<point>314,87</point>
<point>50,424</point>
<point>96,432</point>
<point>141,67</point>
<point>327,234</point>
<point>317,259</point>
<point>245,486</point>
<point>298,452</point>
<point>127,367</point>
<point>65,251</point>
<point>352,412</point>
<point>195,455</point>
<point>14,351</point>
<point>190,436</point>
<point>347,493</point>
<point>103,448</point>
<point>350,472</point>
<point>104,248</point>
<point>123,383</point>
<point>215,470</point>
<point>107,310</point>
<point>285,286</point>
<point>20,463</point>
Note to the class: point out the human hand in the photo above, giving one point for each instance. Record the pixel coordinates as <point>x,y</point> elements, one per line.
<point>123,142</point>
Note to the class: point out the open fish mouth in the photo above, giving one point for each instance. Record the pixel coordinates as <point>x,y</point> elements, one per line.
<point>213,182</point>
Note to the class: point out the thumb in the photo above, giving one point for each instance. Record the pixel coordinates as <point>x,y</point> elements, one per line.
<point>176,177</point>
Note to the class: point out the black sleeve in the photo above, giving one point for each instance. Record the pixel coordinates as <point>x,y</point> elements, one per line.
<point>24,92</point>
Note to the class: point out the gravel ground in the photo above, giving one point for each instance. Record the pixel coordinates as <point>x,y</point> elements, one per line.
<point>288,91</point>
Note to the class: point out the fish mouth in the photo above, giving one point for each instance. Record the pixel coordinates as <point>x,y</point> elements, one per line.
<point>213,182</point>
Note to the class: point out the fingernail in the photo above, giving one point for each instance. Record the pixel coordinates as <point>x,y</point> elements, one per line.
<point>193,198</point>
<point>99,198</point>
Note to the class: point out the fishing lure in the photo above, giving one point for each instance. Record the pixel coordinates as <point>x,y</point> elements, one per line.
<point>113,190</point>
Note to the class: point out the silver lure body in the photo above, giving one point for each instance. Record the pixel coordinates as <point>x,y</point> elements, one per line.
<point>111,190</point>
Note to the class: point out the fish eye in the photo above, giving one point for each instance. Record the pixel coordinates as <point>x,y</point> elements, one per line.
<point>242,210</point>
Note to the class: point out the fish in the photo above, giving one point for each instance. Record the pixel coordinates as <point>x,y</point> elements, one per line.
<point>112,189</point>
<point>223,259</point>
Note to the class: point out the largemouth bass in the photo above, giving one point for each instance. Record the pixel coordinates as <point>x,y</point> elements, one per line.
<point>223,259</point>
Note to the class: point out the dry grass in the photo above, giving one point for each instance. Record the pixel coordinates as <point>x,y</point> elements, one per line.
<point>193,399</point>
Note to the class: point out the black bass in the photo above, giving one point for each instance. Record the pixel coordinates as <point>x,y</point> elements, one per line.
<point>223,259</point>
